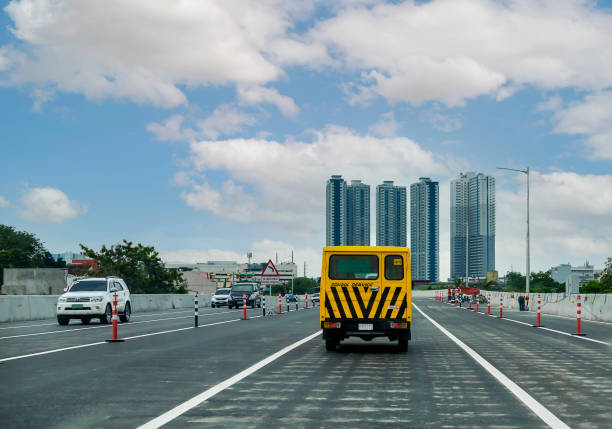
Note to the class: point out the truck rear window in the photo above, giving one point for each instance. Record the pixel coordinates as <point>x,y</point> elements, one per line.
<point>352,267</point>
<point>394,267</point>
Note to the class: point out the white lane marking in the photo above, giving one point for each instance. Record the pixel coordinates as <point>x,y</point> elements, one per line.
<point>137,316</point>
<point>105,326</point>
<point>104,342</point>
<point>540,410</point>
<point>575,336</point>
<point>207,394</point>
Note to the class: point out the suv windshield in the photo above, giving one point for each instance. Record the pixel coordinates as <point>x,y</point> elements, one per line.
<point>89,286</point>
<point>242,288</point>
<point>222,292</point>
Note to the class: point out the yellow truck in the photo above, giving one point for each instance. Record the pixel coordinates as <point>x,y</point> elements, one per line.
<point>366,292</point>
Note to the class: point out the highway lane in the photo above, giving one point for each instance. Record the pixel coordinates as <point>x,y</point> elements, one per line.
<point>362,384</point>
<point>16,342</point>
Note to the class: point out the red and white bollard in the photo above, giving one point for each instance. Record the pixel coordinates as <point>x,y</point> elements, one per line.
<point>539,320</point>
<point>456,297</point>
<point>501,305</point>
<point>115,322</point>
<point>477,299</point>
<point>280,304</point>
<point>306,299</point>
<point>578,318</point>
<point>244,306</point>
<point>489,304</point>
<point>471,302</point>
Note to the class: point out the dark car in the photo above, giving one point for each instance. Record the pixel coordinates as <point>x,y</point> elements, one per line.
<point>251,290</point>
<point>291,298</point>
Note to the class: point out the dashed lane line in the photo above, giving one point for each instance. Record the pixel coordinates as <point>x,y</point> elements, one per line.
<point>106,326</point>
<point>539,410</point>
<point>135,316</point>
<point>207,394</point>
<point>104,342</point>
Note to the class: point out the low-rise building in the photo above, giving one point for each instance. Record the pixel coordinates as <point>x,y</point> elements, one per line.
<point>574,277</point>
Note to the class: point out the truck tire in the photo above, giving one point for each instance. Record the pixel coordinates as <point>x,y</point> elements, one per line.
<point>330,345</point>
<point>402,345</point>
<point>62,320</point>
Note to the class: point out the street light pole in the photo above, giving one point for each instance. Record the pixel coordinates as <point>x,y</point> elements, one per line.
<point>527,256</point>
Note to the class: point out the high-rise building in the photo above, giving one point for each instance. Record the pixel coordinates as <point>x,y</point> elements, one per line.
<point>472,225</point>
<point>358,214</point>
<point>390,215</point>
<point>424,230</point>
<point>336,211</point>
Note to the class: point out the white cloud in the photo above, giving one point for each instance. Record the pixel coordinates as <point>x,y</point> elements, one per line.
<point>569,217</point>
<point>286,181</point>
<point>225,120</point>
<point>553,103</point>
<point>251,95</point>
<point>453,50</point>
<point>143,51</point>
<point>40,96</point>
<point>591,117</point>
<point>48,205</point>
<point>387,126</point>
<point>4,202</point>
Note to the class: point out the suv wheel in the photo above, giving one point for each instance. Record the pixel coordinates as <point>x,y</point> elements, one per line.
<point>107,316</point>
<point>62,320</point>
<point>127,313</point>
<point>259,304</point>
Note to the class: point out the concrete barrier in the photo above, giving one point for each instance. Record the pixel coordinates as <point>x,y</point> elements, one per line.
<point>15,308</point>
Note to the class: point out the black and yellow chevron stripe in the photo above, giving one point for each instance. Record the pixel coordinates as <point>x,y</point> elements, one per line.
<point>353,302</point>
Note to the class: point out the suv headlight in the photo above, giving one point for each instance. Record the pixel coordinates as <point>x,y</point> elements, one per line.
<point>97,298</point>
<point>61,299</point>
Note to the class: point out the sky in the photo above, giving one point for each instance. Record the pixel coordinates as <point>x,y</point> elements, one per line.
<point>209,129</point>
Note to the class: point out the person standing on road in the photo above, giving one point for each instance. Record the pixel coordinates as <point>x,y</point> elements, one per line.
<point>521,301</point>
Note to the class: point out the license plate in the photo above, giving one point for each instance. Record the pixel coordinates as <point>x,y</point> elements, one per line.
<point>366,326</point>
<point>77,305</point>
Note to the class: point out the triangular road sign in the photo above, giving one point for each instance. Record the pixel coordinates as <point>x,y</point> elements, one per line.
<point>270,270</point>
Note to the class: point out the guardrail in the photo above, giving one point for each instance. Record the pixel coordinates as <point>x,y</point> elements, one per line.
<point>15,308</point>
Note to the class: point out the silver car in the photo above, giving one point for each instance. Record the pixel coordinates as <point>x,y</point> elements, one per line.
<point>219,299</point>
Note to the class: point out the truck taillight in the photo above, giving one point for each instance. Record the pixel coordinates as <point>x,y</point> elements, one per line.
<point>332,325</point>
<point>399,325</point>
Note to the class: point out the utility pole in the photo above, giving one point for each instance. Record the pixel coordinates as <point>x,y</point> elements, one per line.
<point>304,268</point>
<point>527,244</point>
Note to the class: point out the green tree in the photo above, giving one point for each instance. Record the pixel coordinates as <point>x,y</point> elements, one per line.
<point>543,282</point>
<point>594,286</point>
<point>486,284</point>
<point>515,282</point>
<point>21,249</point>
<point>606,275</point>
<point>140,266</point>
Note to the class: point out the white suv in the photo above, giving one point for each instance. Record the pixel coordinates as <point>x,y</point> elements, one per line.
<point>92,298</point>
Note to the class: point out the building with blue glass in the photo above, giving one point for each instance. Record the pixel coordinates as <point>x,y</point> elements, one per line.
<point>472,225</point>
<point>424,230</point>
<point>336,211</point>
<point>391,217</point>
<point>358,214</point>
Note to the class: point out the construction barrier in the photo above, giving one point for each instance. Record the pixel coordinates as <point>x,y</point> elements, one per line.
<point>538,319</point>
<point>115,339</point>
<point>195,305</point>
<point>578,318</point>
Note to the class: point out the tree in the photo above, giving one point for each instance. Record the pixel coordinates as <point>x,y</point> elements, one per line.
<point>515,282</point>
<point>140,266</point>
<point>594,286</point>
<point>606,275</point>
<point>486,284</point>
<point>21,249</point>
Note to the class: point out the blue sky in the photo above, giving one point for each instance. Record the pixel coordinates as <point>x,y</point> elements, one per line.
<point>209,129</point>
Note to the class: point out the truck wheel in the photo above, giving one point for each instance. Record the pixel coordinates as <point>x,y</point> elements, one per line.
<point>107,316</point>
<point>127,313</point>
<point>402,345</point>
<point>63,320</point>
<point>330,345</point>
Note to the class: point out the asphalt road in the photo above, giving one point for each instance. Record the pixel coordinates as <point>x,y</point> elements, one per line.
<point>165,362</point>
